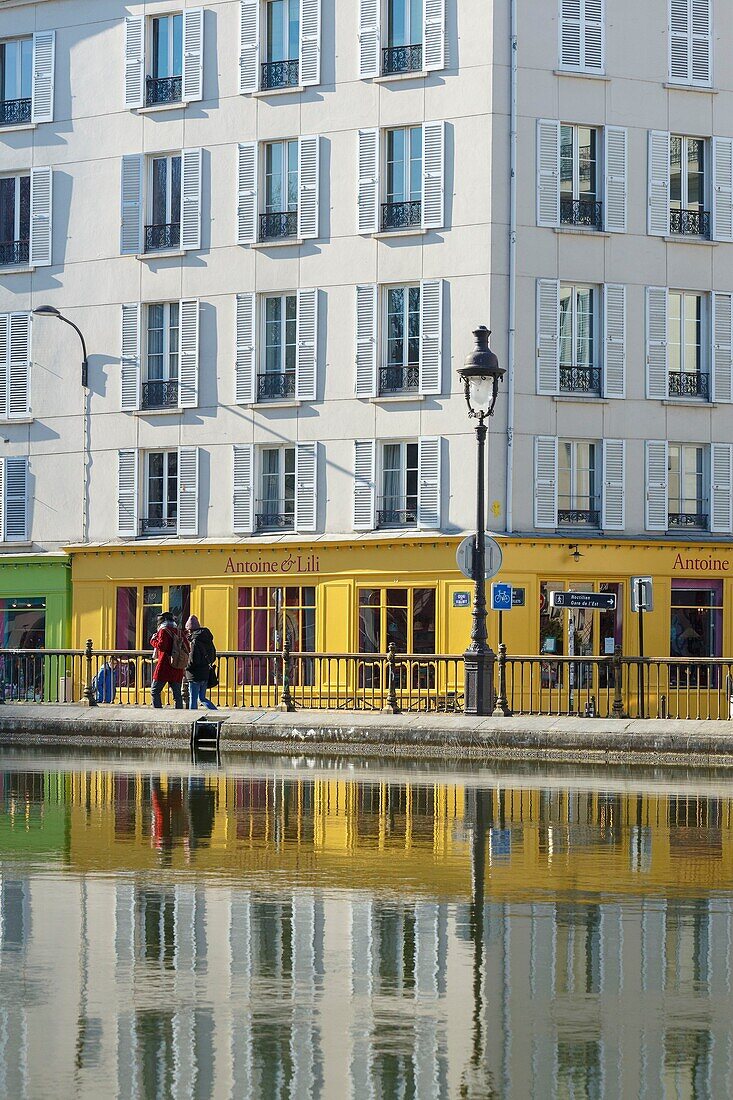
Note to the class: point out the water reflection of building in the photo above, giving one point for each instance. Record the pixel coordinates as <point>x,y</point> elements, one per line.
<point>526,941</point>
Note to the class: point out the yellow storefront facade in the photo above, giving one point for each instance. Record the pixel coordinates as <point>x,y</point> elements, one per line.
<point>358,595</point>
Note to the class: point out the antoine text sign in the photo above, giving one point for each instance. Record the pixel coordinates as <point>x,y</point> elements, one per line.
<point>291,563</point>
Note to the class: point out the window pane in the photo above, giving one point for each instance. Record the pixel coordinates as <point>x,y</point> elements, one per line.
<point>7,210</point>
<point>291,315</point>
<point>396,167</point>
<point>674,480</point>
<point>693,331</point>
<point>674,336</point>
<point>675,172</point>
<point>566,326</point>
<point>413,322</point>
<point>395,326</point>
<point>24,226</point>
<point>275,35</point>
<point>125,631</point>
<point>173,329</point>
<point>292,175</point>
<point>273,334</point>
<point>585,349</point>
<point>564,475</point>
<point>179,602</point>
<point>177,66</point>
<point>423,620</point>
<point>695,174</point>
<point>587,162</point>
<point>397,28</point>
<point>274,177</point>
<point>174,210</point>
<point>566,160</point>
<point>152,607</point>
<point>155,342</point>
<point>160,186</point>
<point>415,163</point>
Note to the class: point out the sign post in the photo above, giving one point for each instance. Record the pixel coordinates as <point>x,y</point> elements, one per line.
<point>580,601</point>
<point>642,599</point>
<point>501,601</point>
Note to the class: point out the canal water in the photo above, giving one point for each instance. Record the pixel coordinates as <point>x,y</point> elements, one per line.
<point>315,929</point>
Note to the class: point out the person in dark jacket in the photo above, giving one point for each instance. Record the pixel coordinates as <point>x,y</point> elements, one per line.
<point>202,656</point>
<point>164,672</point>
<point>105,682</point>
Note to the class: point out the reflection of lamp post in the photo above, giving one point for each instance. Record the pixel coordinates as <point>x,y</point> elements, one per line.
<point>481,375</point>
<point>51,311</point>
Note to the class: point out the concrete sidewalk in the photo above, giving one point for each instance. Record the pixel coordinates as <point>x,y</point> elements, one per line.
<point>407,736</point>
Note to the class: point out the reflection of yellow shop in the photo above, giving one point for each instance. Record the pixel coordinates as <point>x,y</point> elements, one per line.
<point>341,596</point>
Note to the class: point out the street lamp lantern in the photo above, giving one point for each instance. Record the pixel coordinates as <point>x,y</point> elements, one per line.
<point>480,375</point>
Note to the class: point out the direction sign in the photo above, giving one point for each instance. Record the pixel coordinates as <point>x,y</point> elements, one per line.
<point>642,594</point>
<point>464,557</point>
<point>518,595</point>
<point>501,597</point>
<point>589,601</point>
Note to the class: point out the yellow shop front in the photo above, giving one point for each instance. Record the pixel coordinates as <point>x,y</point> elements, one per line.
<point>358,595</point>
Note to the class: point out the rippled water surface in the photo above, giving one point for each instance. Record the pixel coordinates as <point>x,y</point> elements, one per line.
<point>318,930</point>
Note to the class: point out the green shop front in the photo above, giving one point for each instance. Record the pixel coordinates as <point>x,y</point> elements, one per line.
<point>35,611</point>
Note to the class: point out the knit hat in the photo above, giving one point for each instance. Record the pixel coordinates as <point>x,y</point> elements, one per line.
<point>193,624</point>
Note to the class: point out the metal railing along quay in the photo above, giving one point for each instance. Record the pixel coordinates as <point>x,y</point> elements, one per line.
<point>545,684</point>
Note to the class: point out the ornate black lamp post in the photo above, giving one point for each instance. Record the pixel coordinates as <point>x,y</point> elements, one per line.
<point>481,375</point>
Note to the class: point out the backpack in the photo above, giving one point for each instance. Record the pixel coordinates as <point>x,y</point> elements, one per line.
<point>179,652</point>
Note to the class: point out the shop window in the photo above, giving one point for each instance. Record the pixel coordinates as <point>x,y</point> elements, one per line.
<point>580,633</point>
<point>23,623</point>
<point>265,618</point>
<point>696,630</point>
<point>126,623</point>
<point>133,632</point>
<point>402,616</point>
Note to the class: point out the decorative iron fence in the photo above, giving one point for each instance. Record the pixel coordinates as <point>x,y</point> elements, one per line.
<point>393,380</point>
<point>159,237</point>
<point>401,215</point>
<point>278,225</point>
<point>274,384</point>
<point>280,74</point>
<point>275,515</point>
<point>689,383</point>
<point>689,223</point>
<point>581,212</point>
<point>401,59</point>
<point>580,379</point>
<point>162,90</point>
<point>585,687</point>
<point>14,253</point>
<point>15,112</point>
<point>160,394</point>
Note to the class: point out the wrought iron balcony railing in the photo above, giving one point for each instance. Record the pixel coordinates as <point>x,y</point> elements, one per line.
<point>699,520</point>
<point>401,59</point>
<point>15,112</point>
<point>689,223</point>
<point>397,512</point>
<point>280,74</point>
<point>582,212</point>
<point>580,379</point>
<point>164,89</point>
<point>689,384</point>
<point>160,237</point>
<point>13,253</point>
<point>578,517</point>
<point>160,394</point>
<point>401,215</point>
<point>157,524</point>
<point>278,226</point>
<point>399,379</point>
<point>274,384</point>
<point>274,515</point>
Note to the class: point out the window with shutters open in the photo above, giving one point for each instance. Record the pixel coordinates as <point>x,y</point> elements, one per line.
<point>166,189</point>
<point>160,514</point>
<point>582,34</point>
<point>578,484</point>
<point>279,45</point>
<point>688,341</point>
<point>163,221</point>
<point>281,64</point>
<point>279,216</point>
<point>16,81</point>
<point>690,42</point>
<point>276,374</point>
<point>401,37</point>
<point>15,220</point>
<point>689,212</point>
<point>580,370</point>
<point>162,347</point>
<point>276,479</point>
<point>400,369</point>
<point>398,480</point>
<point>164,59</point>
<point>412,193</point>
<point>579,177</point>
<point>687,499</point>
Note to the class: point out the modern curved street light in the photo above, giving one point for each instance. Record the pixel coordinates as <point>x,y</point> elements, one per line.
<point>480,375</point>
<point>51,311</point>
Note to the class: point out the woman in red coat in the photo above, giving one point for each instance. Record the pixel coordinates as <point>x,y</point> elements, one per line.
<point>164,672</point>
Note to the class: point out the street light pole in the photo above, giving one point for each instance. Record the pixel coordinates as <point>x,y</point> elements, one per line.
<point>481,375</point>
<point>51,311</point>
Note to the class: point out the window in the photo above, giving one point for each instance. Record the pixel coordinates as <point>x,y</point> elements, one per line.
<point>398,504</point>
<point>276,506</point>
<point>687,187</point>
<point>401,370</point>
<point>687,502</point>
<point>23,622</point>
<point>282,44</point>
<point>579,177</point>
<point>579,370</point>
<point>578,497</point>
<point>266,616</point>
<point>164,228</point>
<point>16,81</point>
<point>14,499</point>
<point>15,220</point>
<point>160,389</point>
<point>161,483</point>
<point>404,50</point>
<point>690,60</point>
<point>403,206</point>
<point>582,34</point>
<point>165,84</point>
<point>403,616</point>
<point>696,630</point>
<point>280,218</point>
<point>686,339</point>
<point>277,378</point>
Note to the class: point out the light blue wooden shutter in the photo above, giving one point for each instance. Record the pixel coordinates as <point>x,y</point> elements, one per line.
<point>193,55</point>
<point>41,217</point>
<point>44,59</point>
<point>16,499</point>
<point>722,189</point>
<point>310,42</point>
<point>366,341</point>
<point>722,389</point>
<point>246,369</point>
<point>191,199</point>
<point>188,354</point>
<point>308,180</point>
<point>247,189</point>
<point>428,490</point>
<point>545,481</point>
<point>615,179</point>
<point>721,488</point>
<point>614,494</point>
<point>434,35</point>
<point>134,61</point>
<point>19,366</point>
<point>249,46</point>
<point>364,484</point>
<point>243,500</point>
<point>658,199</point>
<point>657,352</point>
<point>614,340</point>
<point>369,37</point>
<point>130,365</point>
<point>306,473</point>
<point>127,482</point>
<point>132,209</point>
<point>306,359</point>
<point>548,172</point>
<point>548,336</point>
<point>431,335</point>
<point>433,181</point>
<point>368,192</point>
<point>188,491</point>
<point>657,480</point>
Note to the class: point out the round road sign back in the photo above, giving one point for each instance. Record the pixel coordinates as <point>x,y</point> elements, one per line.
<point>464,557</point>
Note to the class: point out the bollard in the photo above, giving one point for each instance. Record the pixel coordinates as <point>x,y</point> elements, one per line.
<point>287,702</point>
<point>618,700</point>
<point>391,703</point>
<point>502,708</point>
<point>89,694</point>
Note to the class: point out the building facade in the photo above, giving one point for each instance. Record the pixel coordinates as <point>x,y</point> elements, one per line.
<point>277,224</point>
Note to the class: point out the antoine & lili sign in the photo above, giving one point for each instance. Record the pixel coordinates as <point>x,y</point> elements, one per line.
<point>291,563</point>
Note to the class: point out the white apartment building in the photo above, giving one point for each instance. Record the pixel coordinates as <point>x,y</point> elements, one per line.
<point>276,223</point>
